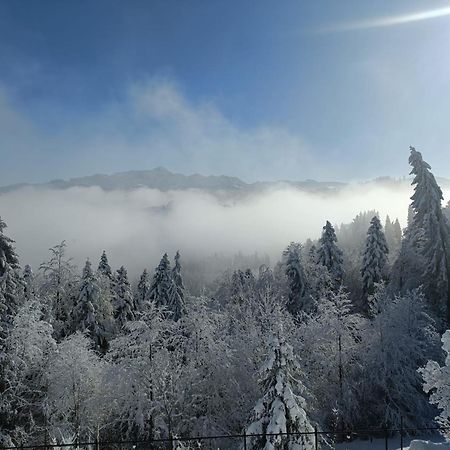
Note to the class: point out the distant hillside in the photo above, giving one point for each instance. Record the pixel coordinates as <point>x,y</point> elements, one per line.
<point>164,180</point>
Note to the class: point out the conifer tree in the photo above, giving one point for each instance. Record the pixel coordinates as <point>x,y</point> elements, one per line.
<point>374,258</point>
<point>10,282</point>
<point>430,220</point>
<point>143,289</point>
<point>104,268</point>
<point>85,314</point>
<point>329,254</point>
<point>176,304</point>
<point>281,411</point>
<point>162,283</point>
<point>28,279</point>
<point>123,303</point>
<point>296,278</point>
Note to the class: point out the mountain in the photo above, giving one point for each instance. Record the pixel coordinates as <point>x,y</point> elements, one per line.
<point>164,180</point>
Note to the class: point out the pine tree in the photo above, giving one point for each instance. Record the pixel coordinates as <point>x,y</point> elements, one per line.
<point>85,316</point>
<point>296,278</point>
<point>374,258</point>
<point>162,284</point>
<point>281,411</point>
<point>430,220</point>
<point>104,268</point>
<point>28,279</point>
<point>124,309</point>
<point>143,289</point>
<point>393,233</point>
<point>10,282</point>
<point>329,254</point>
<point>176,303</point>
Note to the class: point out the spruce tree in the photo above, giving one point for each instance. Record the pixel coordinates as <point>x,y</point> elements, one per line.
<point>10,282</point>
<point>85,314</point>
<point>374,257</point>
<point>296,278</point>
<point>162,283</point>
<point>104,268</point>
<point>143,289</point>
<point>124,309</point>
<point>430,220</point>
<point>329,254</point>
<point>176,303</point>
<point>279,416</point>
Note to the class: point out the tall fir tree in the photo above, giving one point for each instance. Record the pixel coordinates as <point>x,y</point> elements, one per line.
<point>330,255</point>
<point>374,257</point>
<point>176,304</point>
<point>142,292</point>
<point>280,415</point>
<point>124,309</point>
<point>104,268</point>
<point>162,284</point>
<point>85,314</point>
<point>430,220</point>
<point>11,284</point>
<point>296,278</point>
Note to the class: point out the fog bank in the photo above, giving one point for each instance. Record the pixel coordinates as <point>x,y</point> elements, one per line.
<point>137,227</point>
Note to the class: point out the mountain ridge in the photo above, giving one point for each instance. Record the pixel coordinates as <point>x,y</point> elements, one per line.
<point>165,180</point>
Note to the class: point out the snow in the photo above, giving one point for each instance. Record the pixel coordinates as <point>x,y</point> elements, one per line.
<point>394,444</point>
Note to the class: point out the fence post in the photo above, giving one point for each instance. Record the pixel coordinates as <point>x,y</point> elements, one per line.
<point>386,438</point>
<point>245,440</point>
<point>401,433</point>
<point>316,438</point>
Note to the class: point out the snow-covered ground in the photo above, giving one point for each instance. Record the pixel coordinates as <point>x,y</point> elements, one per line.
<point>435,442</point>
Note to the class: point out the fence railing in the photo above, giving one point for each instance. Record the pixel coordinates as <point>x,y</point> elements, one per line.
<point>382,436</point>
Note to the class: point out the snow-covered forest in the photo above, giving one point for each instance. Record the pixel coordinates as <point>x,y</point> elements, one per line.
<point>341,333</point>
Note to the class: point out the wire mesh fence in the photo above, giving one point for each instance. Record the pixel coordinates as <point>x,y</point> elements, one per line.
<point>373,439</point>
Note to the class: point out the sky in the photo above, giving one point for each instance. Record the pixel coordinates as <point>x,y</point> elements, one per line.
<point>268,90</point>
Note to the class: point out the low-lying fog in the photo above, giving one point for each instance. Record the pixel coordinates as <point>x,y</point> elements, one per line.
<point>137,227</point>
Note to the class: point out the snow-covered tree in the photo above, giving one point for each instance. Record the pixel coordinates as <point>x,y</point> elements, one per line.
<point>28,346</point>
<point>329,353</point>
<point>437,384</point>
<point>280,415</point>
<point>124,309</point>
<point>396,342</point>
<point>75,381</point>
<point>104,268</point>
<point>296,278</point>
<point>142,291</point>
<point>85,314</point>
<point>10,282</point>
<point>393,233</point>
<point>375,257</point>
<point>163,292</point>
<point>430,220</point>
<point>176,304</point>
<point>329,254</point>
<point>58,286</point>
<point>28,280</point>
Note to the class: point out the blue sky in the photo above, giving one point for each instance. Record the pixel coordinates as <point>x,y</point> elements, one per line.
<point>260,90</point>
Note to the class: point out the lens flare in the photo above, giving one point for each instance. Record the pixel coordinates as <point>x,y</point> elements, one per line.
<point>387,21</point>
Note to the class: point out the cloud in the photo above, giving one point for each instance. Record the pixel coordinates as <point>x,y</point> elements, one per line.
<point>137,227</point>
<point>152,124</point>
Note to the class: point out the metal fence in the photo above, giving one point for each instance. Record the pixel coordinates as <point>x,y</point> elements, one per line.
<point>375,438</point>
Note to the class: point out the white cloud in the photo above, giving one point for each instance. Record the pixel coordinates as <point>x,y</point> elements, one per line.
<point>130,227</point>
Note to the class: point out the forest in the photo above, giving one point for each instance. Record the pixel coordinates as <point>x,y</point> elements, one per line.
<point>344,332</point>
